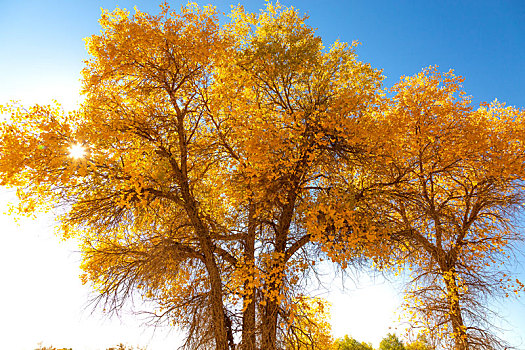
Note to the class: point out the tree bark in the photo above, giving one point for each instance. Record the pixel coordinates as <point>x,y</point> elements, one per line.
<point>458,326</point>
<point>248,317</point>
<point>202,232</point>
<point>216,293</point>
<point>277,267</point>
<point>269,327</point>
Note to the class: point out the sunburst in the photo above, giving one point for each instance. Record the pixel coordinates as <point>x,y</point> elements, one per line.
<point>77,151</point>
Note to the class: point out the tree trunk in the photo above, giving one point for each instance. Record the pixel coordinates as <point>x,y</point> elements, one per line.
<point>269,327</point>
<point>219,324</point>
<point>202,231</point>
<point>206,244</point>
<point>277,268</point>
<point>248,316</point>
<point>273,290</point>
<point>460,332</point>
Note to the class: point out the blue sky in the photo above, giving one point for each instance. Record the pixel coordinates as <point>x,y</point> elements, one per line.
<point>41,53</point>
<point>484,41</point>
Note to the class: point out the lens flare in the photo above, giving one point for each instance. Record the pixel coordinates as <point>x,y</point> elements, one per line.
<point>77,151</point>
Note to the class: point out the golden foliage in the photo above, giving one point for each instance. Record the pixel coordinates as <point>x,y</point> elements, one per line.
<point>454,181</point>
<point>310,326</point>
<point>217,164</point>
<point>202,162</point>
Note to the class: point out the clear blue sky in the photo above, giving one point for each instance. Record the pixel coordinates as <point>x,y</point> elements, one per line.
<point>41,52</point>
<point>484,41</point>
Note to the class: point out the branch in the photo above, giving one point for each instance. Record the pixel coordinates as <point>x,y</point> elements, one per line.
<point>296,246</point>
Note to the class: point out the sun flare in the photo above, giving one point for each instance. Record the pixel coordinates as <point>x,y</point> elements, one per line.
<point>77,151</point>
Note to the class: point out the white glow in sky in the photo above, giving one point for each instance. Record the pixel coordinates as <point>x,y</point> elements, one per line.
<point>43,301</point>
<point>77,151</point>
<point>366,312</point>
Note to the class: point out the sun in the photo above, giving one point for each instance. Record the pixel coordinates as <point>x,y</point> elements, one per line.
<point>77,151</point>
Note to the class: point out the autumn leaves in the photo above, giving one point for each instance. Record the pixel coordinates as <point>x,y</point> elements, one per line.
<point>451,202</point>
<point>225,161</point>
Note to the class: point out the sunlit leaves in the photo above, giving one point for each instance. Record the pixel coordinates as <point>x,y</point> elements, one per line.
<point>456,178</point>
<point>210,167</point>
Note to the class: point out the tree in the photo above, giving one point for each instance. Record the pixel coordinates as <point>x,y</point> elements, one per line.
<point>459,183</point>
<point>207,150</point>
<point>125,347</point>
<point>40,347</point>
<point>391,342</point>
<point>310,328</point>
<point>278,124</point>
<point>421,343</point>
<point>218,163</point>
<point>348,343</point>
